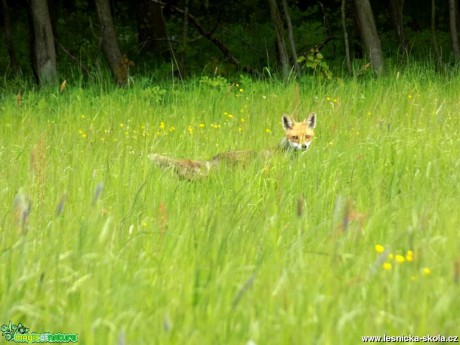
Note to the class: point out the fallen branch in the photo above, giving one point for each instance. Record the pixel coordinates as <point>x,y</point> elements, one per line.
<point>73,58</point>
<point>208,34</point>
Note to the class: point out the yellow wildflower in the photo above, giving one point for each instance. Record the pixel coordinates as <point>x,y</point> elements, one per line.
<point>400,258</point>
<point>410,256</point>
<point>379,248</point>
<point>426,271</point>
<point>386,266</point>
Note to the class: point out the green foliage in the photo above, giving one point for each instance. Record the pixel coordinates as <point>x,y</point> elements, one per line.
<point>217,82</point>
<point>315,63</point>
<point>96,241</point>
<point>153,94</point>
<point>245,28</point>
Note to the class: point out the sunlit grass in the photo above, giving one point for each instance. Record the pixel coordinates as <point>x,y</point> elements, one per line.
<point>358,236</point>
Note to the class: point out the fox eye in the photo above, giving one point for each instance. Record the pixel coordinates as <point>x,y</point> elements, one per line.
<point>308,137</point>
<point>295,137</point>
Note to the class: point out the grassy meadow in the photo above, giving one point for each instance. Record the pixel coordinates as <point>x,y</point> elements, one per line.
<point>358,236</point>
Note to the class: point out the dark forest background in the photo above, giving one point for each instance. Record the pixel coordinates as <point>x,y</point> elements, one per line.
<point>49,41</point>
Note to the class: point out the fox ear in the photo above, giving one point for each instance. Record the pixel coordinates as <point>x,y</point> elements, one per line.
<point>311,120</point>
<point>287,121</point>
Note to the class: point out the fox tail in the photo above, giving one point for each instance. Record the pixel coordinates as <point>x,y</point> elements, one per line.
<point>185,168</point>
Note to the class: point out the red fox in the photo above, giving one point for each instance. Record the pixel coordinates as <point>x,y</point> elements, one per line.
<point>297,137</point>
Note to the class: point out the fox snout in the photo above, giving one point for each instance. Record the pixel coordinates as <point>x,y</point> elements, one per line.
<point>300,147</point>
<point>305,146</point>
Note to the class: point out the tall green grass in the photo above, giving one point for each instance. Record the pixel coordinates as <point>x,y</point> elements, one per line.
<point>286,251</point>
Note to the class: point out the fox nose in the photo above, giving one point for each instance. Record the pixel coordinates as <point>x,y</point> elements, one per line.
<point>304,146</point>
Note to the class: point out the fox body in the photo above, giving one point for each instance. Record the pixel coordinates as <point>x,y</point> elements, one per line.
<point>298,136</point>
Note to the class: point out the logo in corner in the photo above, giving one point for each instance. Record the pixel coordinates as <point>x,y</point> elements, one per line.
<point>20,334</point>
<point>10,330</point>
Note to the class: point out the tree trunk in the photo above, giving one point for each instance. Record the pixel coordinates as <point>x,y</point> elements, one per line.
<point>9,38</point>
<point>43,43</point>
<point>182,66</point>
<point>457,15</point>
<point>453,29</point>
<point>283,55</point>
<point>151,27</point>
<point>434,37</point>
<point>397,17</point>
<point>369,34</point>
<point>345,36</point>
<point>291,37</point>
<point>109,40</point>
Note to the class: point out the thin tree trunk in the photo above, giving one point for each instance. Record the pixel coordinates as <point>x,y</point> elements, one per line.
<point>109,40</point>
<point>433,35</point>
<point>184,47</point>
<point>9,38</point>
<point>283,55</point>
<point>291,37</point>
<point>345,37</point>
<point>457,15</point>
<point>397,16</point>
<point>369,34</point>
<point>208,34</point>
<point>151,27</point>
<point>43,43</point>
<point>453,29</point>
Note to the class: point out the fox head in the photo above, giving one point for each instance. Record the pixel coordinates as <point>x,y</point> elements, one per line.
<point>298,135</point>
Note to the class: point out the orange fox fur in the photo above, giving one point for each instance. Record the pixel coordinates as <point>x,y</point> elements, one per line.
<point>297,137</point>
